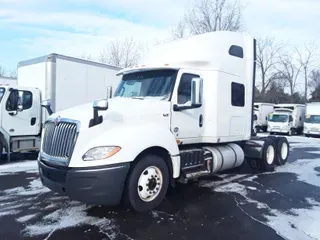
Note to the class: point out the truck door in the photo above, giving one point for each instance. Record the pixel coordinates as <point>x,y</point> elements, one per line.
<point>186,125</point>
<point>21,113</point>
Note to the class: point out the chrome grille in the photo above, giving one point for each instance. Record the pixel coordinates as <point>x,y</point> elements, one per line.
<point>59,139</point>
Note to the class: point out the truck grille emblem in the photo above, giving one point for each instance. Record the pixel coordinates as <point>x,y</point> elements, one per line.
<point>57,120</point>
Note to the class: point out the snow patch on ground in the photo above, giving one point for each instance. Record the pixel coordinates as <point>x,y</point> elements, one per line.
<point>12,168</point>
<point>73,214</point>
<point>26,218</point>
<point>304,169</point>
<point>35,187</point>
<point>303,225</point>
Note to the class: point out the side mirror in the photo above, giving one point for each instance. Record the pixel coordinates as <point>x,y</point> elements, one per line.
<point>100,105</point>
<point>109,92</point>
<point>47,105</point>
<point>196,91</point>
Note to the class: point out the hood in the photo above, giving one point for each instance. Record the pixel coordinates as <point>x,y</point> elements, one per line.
<point>119,110</point>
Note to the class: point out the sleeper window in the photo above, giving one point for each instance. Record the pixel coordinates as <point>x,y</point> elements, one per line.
<point>237,94</point>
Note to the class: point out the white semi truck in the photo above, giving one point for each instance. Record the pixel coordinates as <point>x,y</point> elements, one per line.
<point>186,111</point>
<point>312,120</point>
<point>260,117</point>
<point>287,119</point>
<point>64,81</point>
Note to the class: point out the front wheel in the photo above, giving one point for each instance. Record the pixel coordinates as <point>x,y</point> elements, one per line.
<point>147,184</point>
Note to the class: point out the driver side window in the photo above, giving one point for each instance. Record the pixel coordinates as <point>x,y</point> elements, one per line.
<point>184,89</point>
<point>24,99</point>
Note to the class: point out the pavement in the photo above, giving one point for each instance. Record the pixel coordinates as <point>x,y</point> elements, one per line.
<point>239,204</point>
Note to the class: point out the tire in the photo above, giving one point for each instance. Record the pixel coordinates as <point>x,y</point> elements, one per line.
<point>265,163</point>
<point>1,152</point>
<point>143,171</point>
<point>282,153</point>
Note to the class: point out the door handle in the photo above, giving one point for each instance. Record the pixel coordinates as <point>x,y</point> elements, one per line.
<point>200,120</point>
<point>33,121</point>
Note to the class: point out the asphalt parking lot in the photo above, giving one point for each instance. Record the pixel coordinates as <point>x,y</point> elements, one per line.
<point>284,204</point>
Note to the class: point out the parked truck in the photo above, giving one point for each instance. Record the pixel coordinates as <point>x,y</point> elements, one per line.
<point>64,81</point>
<point>260,118</point>
<point>312,119</point>
<point>287,119</point>
<point>8,81</point>
<point>186,111</point>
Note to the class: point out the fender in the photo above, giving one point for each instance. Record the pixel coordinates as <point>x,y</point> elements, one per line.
<point>133,139</point>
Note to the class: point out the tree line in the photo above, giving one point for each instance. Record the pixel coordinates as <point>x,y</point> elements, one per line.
<point>281,67</point>
<point>285,73</point>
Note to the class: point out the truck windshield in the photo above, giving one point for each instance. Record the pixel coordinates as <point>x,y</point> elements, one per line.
<point>312,119</point>
<point>2,91</point>
<point>147,84</point>
<point>278,118</point>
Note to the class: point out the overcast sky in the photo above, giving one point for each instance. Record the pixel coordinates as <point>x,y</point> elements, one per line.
<point>32,28</point>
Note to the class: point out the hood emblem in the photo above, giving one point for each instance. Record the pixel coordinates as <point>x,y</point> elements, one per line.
<point>57,120</point>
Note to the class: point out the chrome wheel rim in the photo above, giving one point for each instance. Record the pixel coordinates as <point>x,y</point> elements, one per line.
<point>150,183</point>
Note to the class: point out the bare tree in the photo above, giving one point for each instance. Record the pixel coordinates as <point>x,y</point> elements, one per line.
<point>305,58</point>
<point>87,57</point>
<point>214,15</point>
<point>124,53</point>
<point>314,81</point>
<point>208,16</point>
<point>179,31</point>
<point>289,71</point>
<point>3,71</point>
<point>267,59</point>
<point>14,73</point>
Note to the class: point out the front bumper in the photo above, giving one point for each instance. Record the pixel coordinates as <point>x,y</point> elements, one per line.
<point>98,186</point>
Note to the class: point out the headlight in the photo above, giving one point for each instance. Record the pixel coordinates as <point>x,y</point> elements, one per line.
<point>100,153</point>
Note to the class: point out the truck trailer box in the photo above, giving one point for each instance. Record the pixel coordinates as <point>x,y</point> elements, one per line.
<point>312,119</point>
<point>67,81</point>
<point>64,81</point>
<point>261,113</point>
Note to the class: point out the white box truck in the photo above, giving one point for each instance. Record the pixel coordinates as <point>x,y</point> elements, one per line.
<point>185,112</point>
<point>287,119</point>
<point>64,81</point>
<point>312,120</point>
<point>260,118</point>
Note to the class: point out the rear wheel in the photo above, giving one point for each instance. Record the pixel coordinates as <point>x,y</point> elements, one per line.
<point>1,152</point>
<point>282,146</point>
<point>147,184</point>
<point>268,156</point>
